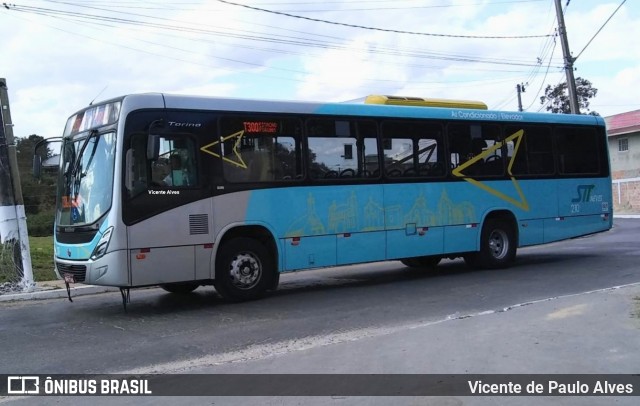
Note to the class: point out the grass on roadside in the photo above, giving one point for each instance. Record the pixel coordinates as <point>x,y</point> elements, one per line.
<point>42,258</point>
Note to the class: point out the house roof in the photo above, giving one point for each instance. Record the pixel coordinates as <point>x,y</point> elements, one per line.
<point>623,123</point>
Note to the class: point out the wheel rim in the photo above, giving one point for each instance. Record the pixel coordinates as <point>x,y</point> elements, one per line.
<point>245,271</point>
<point>498,244</point>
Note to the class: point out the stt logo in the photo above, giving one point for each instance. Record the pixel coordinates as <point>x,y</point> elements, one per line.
<point>584,193</point>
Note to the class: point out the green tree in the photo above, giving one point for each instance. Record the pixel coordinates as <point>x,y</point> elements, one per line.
<point>39,195</point>
<point>557,98</point>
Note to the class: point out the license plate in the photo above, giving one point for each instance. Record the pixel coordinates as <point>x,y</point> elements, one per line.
<point>68,278</point>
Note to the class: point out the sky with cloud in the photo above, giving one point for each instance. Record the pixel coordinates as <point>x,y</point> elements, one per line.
<point>58,56</point>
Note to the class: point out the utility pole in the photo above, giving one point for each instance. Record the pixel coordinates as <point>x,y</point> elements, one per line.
<point>568,60</point>
<point>13,221</point>
<point>520,88</point>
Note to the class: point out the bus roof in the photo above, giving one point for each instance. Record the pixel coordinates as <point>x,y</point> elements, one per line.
<point>170,101</point>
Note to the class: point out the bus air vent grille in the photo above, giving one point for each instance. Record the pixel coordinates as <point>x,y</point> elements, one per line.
<point>78,271</point>
<point>198,224</point>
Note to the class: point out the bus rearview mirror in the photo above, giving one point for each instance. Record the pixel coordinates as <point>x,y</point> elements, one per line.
<point>37,166</point>
<point>153,147</point>
<point>51,162</point>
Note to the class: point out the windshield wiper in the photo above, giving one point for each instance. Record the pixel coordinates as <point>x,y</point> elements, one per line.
<point>76,163</point>
<point>93,154</point>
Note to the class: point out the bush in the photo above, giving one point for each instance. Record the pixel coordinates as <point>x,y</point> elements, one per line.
<point>9,257</point>
<point>41,224</point>
<point>41,261</point>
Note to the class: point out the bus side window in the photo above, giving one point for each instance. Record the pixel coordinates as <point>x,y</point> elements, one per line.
<point>534,154</point>
<point>341,149</point>
<point>459,145</point>
<point>136,169</point>
<point>261,149</point>
<point>477,146</point>
<point>578,150</point>
<point>411,149</point>
<point>175,166</point>
<point>430,159</point>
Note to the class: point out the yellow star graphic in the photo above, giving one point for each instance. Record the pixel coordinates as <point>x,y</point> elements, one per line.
<point>522,202</point>
<point>240,162</point>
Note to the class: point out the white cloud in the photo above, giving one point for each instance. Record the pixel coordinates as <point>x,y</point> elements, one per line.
<point>339,75</point>
<point>614,42</point>
<point>618,93</point>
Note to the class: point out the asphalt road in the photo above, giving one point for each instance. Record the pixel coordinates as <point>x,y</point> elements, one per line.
<point>333,308</point>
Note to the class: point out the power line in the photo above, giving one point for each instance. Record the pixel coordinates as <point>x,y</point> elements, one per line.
<point>388,8</point>
<point>285,40</point>
<point>150,6</point>
<point>548,46</point>
<point>396,1</point>
<point>380,29</point>
<point>173,27</point>
<point>598,32</point>
<point>545,76</point>
<point>288,40</point>
<point>173,57</point>
<point>535,71</point>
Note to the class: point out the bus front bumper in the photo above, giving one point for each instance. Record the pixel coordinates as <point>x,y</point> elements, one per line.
<point>112,269</point>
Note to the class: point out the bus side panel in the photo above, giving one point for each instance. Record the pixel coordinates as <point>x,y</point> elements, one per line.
<point>309,252</point>
<point>531,232</point>
<point>360,247</point>
<point>461,238</point>
<point>414,241</point>
<point>583,197</point>
<point>562,228</point>
<point>228,209</point>
<point>584,207</point>
<point>162,265</point>
<point>412,214</point>
<point>468,203</point>
<point>203,256</point>
<point>539,198</point>
<point>167,247</point>
<point>345,221</point>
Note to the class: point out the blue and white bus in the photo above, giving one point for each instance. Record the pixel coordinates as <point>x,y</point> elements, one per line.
<point>180,191</point>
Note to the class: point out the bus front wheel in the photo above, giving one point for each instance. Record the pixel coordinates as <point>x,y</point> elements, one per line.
<point>497,246</point>
<point>244,270</point>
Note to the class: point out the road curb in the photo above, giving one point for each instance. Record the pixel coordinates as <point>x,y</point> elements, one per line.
<point>56,293</point>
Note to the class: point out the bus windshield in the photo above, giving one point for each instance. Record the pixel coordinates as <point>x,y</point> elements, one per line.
<point>86,178</point>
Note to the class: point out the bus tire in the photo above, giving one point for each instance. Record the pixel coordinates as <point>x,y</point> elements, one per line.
<point>244,270</point>
<point>181,288</point>
<point>429,262</point>
<point>497,246</point>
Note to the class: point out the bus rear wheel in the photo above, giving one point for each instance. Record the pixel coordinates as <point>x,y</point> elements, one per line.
<point>497,246</point>
<point>244,270</point>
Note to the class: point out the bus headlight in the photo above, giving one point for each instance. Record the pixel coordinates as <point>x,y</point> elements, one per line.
<point>103,244</point>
